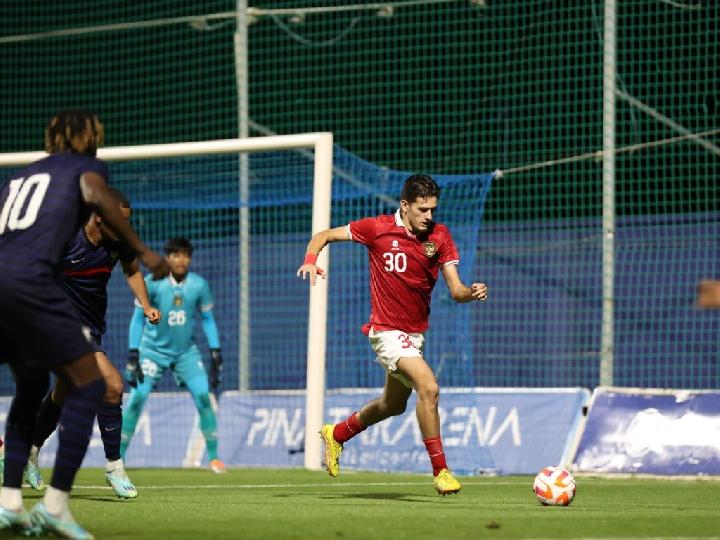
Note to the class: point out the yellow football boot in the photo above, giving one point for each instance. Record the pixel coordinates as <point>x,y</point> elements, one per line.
<point>333,449</point>
<point>446,483</point>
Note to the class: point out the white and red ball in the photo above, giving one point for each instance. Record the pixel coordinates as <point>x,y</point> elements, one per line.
<point>554,486</point>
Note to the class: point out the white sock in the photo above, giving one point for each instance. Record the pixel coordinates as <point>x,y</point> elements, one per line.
<point>34,453</point>
<point>112,465</point>
<point>11,498</point>
<point>56,502</point>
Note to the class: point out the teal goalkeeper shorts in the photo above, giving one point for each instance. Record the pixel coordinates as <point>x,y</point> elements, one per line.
<point>185,366</point>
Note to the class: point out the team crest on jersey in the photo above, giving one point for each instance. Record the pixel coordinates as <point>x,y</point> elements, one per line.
<point>178,300</point>
<point>429,248</point>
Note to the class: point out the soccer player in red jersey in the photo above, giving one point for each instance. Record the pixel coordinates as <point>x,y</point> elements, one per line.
<point>406,252</point>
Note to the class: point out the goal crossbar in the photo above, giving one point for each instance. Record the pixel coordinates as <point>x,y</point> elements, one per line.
<point>187,149</point>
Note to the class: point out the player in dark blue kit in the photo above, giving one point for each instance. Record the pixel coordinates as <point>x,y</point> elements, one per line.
<point>84,274</point>
<point>42,207</point>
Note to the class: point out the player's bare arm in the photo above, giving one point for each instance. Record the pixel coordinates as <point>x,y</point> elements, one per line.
<point>315,246</point>
<point>458,290</point>
<point>96,195</point>
<point>137,285</point>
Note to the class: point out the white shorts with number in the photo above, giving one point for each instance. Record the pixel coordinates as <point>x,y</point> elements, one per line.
<point>392,345</point>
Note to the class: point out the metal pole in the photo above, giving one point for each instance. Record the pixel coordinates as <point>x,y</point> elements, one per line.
<point>241,80</point>
<point>608,222</point>
<point>317,313</point>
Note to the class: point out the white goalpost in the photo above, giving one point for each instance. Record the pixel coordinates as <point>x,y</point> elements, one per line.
<point>322,144</point>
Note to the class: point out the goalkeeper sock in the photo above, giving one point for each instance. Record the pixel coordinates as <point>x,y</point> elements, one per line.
<point>208,426</point>
<point>348,428</point>
<point>130,416</point>
<point>198,387</point>
<point>109,419</point>
<point>434,448</point>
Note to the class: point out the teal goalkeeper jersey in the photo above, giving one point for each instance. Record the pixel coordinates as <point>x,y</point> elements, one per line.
<point>178,303</point>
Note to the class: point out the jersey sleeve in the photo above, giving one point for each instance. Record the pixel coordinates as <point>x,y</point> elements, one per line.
<point>448,251</point>
<point>210,328</point>
<point>363,231</point>
<point>205,302</point>
<point>97,166</point>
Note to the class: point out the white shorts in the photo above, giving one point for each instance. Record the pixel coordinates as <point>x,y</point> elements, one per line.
<point>392,345</point>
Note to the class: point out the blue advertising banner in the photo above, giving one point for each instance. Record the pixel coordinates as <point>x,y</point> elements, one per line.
<point>668,432</point>
<point>485,431</point>
<point>162,438</point>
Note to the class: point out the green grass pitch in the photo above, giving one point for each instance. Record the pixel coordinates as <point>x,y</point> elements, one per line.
<point>298,504</point>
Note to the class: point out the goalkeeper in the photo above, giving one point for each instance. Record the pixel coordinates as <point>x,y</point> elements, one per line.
<point>171,344</point>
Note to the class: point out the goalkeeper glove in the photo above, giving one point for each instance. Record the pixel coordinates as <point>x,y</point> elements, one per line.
<point>215,368</point>
<point>133,372</point>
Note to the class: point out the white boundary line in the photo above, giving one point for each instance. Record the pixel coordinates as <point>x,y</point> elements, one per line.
<point>285,486</point>
<point>329,484</point>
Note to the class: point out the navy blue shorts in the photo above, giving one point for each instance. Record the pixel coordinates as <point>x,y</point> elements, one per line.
<point>39,324</point>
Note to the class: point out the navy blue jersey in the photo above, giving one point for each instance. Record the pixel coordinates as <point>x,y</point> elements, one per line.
<point>41,209</point>
<point>84,274</point>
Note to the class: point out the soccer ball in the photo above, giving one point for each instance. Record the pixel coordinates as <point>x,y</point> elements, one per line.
<point>554,486</point>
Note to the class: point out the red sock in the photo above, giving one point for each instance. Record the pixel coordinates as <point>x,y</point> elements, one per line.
<point>435,451</point>
<point>347,429</point>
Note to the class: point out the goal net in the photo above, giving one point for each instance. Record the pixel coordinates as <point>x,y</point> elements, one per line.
<point>249,207</point>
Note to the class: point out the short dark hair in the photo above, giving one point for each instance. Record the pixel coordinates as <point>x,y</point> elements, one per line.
<point>78,131</point>
<point>177,244</point>
<point>419,185</point>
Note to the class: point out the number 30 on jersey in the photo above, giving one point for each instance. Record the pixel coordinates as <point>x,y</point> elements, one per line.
<point>395,262</point>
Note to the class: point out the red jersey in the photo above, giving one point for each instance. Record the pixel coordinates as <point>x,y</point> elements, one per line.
<point>403,270</point>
